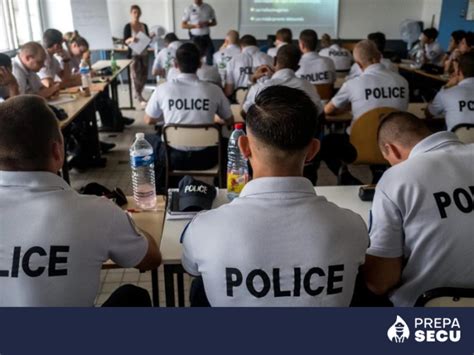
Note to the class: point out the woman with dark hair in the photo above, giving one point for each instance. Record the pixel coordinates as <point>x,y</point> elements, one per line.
<point>140,60</point>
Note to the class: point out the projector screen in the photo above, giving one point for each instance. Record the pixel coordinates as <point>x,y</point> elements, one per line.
<point>264,17</point>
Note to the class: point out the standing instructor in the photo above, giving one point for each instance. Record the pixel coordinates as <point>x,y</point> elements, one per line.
<point>198,18</point>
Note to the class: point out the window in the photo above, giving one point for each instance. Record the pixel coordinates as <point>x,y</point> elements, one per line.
<point>20,22</point>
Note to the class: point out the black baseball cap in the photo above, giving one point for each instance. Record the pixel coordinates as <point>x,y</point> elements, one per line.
<point>195,195</point>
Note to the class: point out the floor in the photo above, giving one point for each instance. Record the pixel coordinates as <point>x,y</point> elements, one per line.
<point>117,174</point>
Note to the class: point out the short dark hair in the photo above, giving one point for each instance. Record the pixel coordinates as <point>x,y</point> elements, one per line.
<point>289,57</point>
<point>466,64</point>
<point>170,38</point>
<point>5,61</point>
<point>469,37</point>
<point>188,58</point>
<point>402,127</point>
<point>431,33</point>
<point>310,39</point>
<point>283,118</point>
<point>379,39</point>
<point>136,7</point>
<point>458,35</point>
<point>285,35</point>
<point>52,37</point>
<point>27,129</point>
<point>248,40</point>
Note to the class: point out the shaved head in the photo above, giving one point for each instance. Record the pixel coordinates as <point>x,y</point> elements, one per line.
<point>233,37</point>
<point>33,49</point>
<point>366,53</point>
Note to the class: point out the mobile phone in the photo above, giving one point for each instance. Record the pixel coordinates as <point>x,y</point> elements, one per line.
<point>366,193</point>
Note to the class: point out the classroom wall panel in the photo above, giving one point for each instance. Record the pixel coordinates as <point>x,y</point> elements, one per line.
<point>453,17</point>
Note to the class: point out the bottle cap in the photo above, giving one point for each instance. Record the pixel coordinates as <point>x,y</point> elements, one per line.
<point>239,126</point>
<point>140,136</point>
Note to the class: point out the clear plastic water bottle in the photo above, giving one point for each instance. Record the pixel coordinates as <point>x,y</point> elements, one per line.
<point>237,168</point>
<point>85,71</point>
<point>142,161</point>
<point>113,63</point>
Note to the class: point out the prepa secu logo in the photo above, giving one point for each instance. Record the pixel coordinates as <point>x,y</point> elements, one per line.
<point>399,331</point>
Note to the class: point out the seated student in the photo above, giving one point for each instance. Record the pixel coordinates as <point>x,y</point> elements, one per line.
<point>165,60</point>
<point>52,71</point>
<point>8,84</point>
<point>325,41</point>
<point>467,43</point>
<point>243,65</point>
<point>431,50</point>
<point>229,50</point>
<point>379,39</point>
<point>456,104</point>
<point>257,254</point>
<point>313,67</point>
<point>421,235</point>
<point>287,61</point>
<point>284,36</point>
<point>54,241</point>
<point>186,100</point>
<point>341,57</point>
<point>26,65</point>
<point>77,47</point>
<point>453,50</point>
<point>207,73</point>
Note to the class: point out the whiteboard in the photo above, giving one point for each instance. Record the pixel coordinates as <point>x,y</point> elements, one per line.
<point>227,13</point>
<point>91,20</point>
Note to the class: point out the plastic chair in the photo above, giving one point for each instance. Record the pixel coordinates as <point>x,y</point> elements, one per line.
<point>325,91</point>
<point>465,132</point>
<point>447,297</point>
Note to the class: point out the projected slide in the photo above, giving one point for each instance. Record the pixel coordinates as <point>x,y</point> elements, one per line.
<point>264,17</point>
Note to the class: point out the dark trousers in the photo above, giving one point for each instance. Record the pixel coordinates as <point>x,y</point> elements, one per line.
<point>210,47</point>
<point>129,296</point>
<point>337,149</point>
<point>179,160</point>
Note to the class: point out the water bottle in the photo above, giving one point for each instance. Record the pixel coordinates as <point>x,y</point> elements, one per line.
<point>113,63</point>
<point>86,79</point>
<point>237,168</point>
<point>142,162</point>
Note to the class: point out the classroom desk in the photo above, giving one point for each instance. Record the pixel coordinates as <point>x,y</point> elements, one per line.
<point>152,223</point>
<point>171,249</point>
<point>407,67</point>
<point>423,86</point>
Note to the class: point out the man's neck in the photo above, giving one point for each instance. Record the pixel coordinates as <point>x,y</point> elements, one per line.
<point>276,171</point>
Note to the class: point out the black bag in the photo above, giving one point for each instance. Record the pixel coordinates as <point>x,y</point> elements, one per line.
<point>96,189</point>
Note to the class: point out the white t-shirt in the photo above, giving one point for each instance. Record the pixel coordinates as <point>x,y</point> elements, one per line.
<point>55,241</point>
<point>188,100</point>
<point>194,14</point>
<point>166,58</point>
<point>341,57</point>
<point>272,52</point>
<point>434,53</point>
<point>51,68</point>
<point>242,66</point>
<point>284,77</point>
<point>357,71</point>
<point>28,81</point>
<point>456,104</point>
<point>316,69</point>
<point>277,245</point>
<point>206,73</point>
<point>376,87</point>
<point>423,212</point>
<point>223,57</point>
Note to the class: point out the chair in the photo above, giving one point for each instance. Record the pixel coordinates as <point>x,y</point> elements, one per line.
<point>196,136</point>
<point>241,95</point>
<point>465,132</point>
<point>325,91</point>
<point>447,297</point>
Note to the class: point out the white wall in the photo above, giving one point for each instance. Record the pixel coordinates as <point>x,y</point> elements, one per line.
<point>57,14</point>
<point>430,8</point>
<point>357,18</point>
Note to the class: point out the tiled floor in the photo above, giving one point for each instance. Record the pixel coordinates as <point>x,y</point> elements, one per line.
<point>117,174</point>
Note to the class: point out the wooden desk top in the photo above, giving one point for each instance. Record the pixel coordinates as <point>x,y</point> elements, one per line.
<point>407,67</point>
<point>74,108</point>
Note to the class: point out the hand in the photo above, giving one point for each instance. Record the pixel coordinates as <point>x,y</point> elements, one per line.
<point>264,70</point>
<point>203,24</point>
<point>152,35</point>
<point>64,54</point>
<point>453,81</point>
<point>55,89</point>
<point>6,77</point>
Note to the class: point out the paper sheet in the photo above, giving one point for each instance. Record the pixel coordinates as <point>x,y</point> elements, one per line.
<point>142,43</point>
<point>62,99</point>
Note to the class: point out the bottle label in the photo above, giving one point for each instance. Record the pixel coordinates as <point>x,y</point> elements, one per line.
<point>236,182</point>
<point>139,162</point>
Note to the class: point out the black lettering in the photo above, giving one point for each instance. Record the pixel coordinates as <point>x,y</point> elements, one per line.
<point>233,278</point>
<point>26,262</point>
<point>307,281</point>
<point>16,261</point>
<point>297,290</point>
<point>396,92</point>
<point>462,105</point>
<point>179,104</point>
<point>171,104</point>
<point>460,203</point>
<point>266,283</point>
<point>206,104</point>
<point>246,71</point>
<point>277,285</point>
<point>402,93</point>
<point>54,260</point>
<point>470,105</point>
<point>333,278</point>
<point>368,93</point>
<point>442,201</point>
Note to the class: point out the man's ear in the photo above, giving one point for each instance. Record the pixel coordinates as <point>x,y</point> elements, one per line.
<point>313,149</point>
<point>244,146</point>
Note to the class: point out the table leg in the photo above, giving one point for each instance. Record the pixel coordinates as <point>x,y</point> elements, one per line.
<point>155,288</point>
<point>65,168</point>
<point>181,295</point>
<point>130,89</point>
<point>169,285</point>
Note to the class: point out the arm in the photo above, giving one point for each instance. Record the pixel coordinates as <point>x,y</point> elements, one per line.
<point>152,120</point>
<point>127,35</point>
<point>263,70</point>
<point>340,101</point>
<point>382,274</point>
<point>228,89</point>
<point>153,111</point>
<point>187,26</point>
<point>152,259</point>
<point>48,92</point>
<point>9,81</point>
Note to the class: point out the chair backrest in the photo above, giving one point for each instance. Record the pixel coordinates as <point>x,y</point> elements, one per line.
<point>447,297</point>
<point>196,136</point>
<point>325,91</point>
<point>364,137</point>
<point>465,132</point>
<point>241,95</point>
